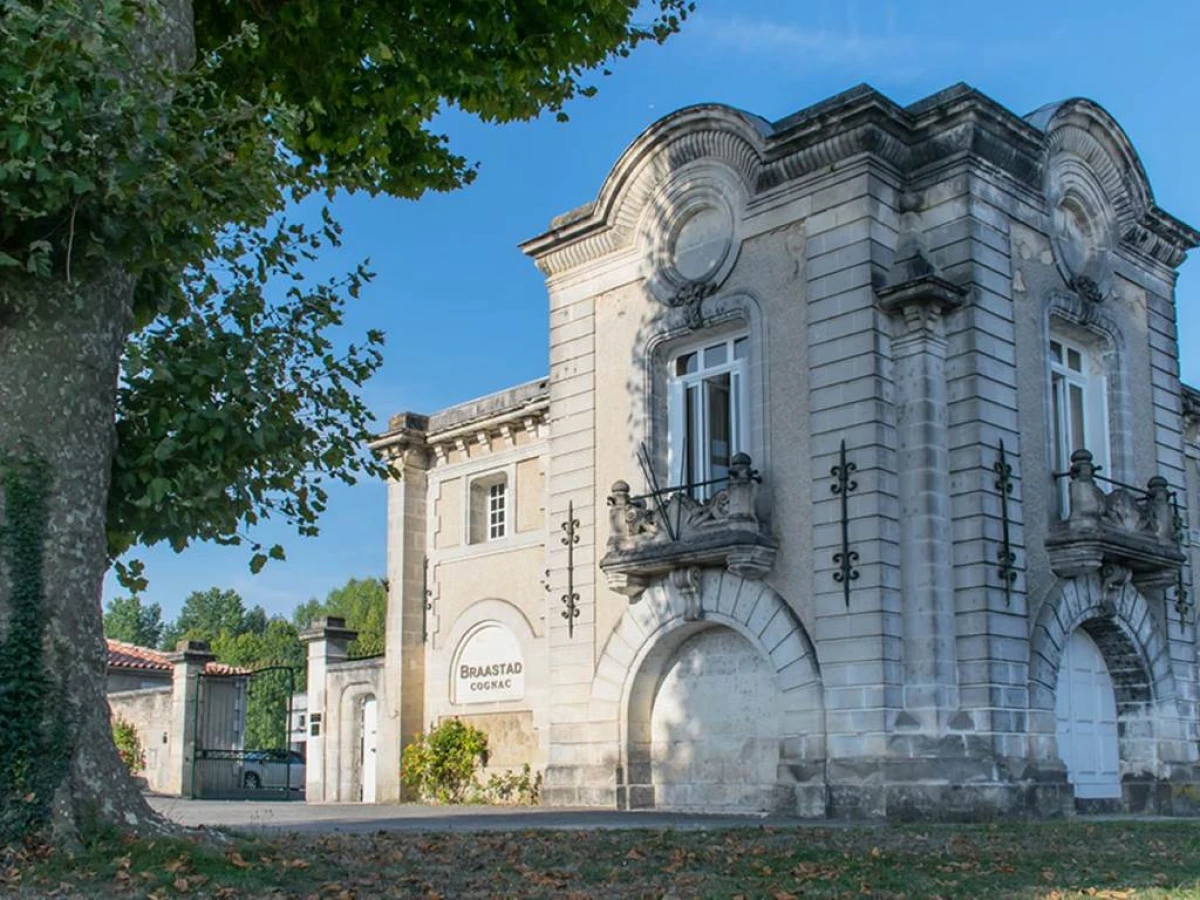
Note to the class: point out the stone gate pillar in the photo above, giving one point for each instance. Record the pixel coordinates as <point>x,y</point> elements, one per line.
<point>328,640</point>
<point>189,661</point>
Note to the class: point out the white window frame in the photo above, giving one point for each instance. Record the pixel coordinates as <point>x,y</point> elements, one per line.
<point>1089,379</point>
<point>490,530</point>
<point>678,395</point>
<point>497,510</point>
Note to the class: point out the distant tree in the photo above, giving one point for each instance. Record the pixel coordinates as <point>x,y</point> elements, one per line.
<point>213,615</point>
<point>126,619</point>
<point>362,602</point>
<point>276,645</point>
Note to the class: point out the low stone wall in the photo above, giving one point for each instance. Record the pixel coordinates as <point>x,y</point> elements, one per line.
<point>350,684</point>
<point>149,711</point>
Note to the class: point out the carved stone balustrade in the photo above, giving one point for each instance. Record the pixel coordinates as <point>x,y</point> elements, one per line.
<point>674,533</point>
<point>1123,534</point>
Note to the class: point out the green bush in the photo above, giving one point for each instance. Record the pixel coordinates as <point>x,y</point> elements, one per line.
<point>129,745</point>
<point>440,766</point>
<point>512,788</point>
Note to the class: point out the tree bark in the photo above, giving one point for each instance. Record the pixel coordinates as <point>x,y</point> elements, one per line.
<point>61,360</point>
<point>60,356</point>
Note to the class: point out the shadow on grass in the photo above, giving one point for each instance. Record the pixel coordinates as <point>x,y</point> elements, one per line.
<point>1046,860</point>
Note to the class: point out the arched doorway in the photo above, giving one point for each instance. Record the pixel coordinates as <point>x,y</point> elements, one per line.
<point>1086,718</point>
<point>736,692</point>
<point>711,739</point>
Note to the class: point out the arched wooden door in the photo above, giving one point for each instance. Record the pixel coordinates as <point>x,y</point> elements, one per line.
<point>1086,711</point>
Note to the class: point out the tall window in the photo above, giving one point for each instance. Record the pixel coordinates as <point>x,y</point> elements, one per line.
<point>1078,410</point>
<point>707,421</point>
<point>489,508</point>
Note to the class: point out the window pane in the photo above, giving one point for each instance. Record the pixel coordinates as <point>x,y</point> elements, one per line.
<point>1076,412</point>
<point>1060,440</point>
<point>690,438</point>
<point>687,364</point>
<point>1073,361</point>
<point>716,355</point>
<point>720,426</point>
<point>1056,353</point>
<point>741,348</point>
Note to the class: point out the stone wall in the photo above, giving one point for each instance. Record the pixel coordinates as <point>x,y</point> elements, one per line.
<point>149,711</point>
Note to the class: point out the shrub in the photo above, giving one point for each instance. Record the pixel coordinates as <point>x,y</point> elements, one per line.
<point>513,788</point>
<point>129,745</point>
<point>440,766</point>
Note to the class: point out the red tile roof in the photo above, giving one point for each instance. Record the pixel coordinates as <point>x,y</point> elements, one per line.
<point>130,656</point>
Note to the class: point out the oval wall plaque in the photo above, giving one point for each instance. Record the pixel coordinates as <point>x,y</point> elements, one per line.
<point>489,666</point>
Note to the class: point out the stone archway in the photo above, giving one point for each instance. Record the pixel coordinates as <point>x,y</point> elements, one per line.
<point>346,724</point>
<point>1120,625</point>
<point>747,663</point>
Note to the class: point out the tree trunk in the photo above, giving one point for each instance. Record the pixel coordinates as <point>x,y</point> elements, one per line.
<point>61,360</point>
<point>60,355</point>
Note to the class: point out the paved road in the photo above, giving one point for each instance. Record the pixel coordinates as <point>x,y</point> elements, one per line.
<point>356,817</point>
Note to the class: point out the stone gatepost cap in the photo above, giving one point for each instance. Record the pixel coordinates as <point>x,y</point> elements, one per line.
<point>191,651</point>
<point>328,628</point>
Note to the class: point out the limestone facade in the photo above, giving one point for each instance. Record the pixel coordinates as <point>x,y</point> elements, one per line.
<point>862,483</point>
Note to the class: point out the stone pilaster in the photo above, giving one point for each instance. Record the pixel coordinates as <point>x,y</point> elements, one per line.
<point>188,660</point>
<point>923,470</point>
<point>327,641</point>
<point>402,704</point>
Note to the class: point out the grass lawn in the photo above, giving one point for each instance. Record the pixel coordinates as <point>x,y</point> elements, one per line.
<point>1083,859</point>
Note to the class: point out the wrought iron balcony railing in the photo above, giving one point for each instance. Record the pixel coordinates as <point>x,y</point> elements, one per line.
<point>668,530</point>
<point>1124,533</point>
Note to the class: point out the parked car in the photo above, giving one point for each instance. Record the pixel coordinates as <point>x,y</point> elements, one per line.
<point>274,769</point>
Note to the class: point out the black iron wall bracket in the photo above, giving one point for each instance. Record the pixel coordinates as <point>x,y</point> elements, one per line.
<point>845,558</point>
<point>570,600</point>
<point>1005,555</point>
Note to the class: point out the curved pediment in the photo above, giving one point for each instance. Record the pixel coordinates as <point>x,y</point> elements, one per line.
<point>1099,194</point>
<point>1081,129</point>
<point>726,142</point>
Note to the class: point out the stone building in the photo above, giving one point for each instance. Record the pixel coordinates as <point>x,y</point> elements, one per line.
<point>862,482</point>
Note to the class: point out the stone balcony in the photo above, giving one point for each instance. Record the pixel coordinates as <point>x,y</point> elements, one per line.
<point>1124,534</point>
<point>672,533</point>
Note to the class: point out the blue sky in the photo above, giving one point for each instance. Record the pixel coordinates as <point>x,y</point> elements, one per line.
<point>465,312</point>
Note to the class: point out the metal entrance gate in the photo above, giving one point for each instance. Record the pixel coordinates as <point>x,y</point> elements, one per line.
<point>241,749</point>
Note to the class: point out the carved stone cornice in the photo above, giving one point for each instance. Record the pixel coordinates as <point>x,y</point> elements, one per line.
<point>921,303</point>
<point>1191,403</point>
<point>403,444</point>
<point>955,123</point>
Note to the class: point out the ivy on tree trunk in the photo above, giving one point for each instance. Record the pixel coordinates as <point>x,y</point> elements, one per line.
<point>61,356</point>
